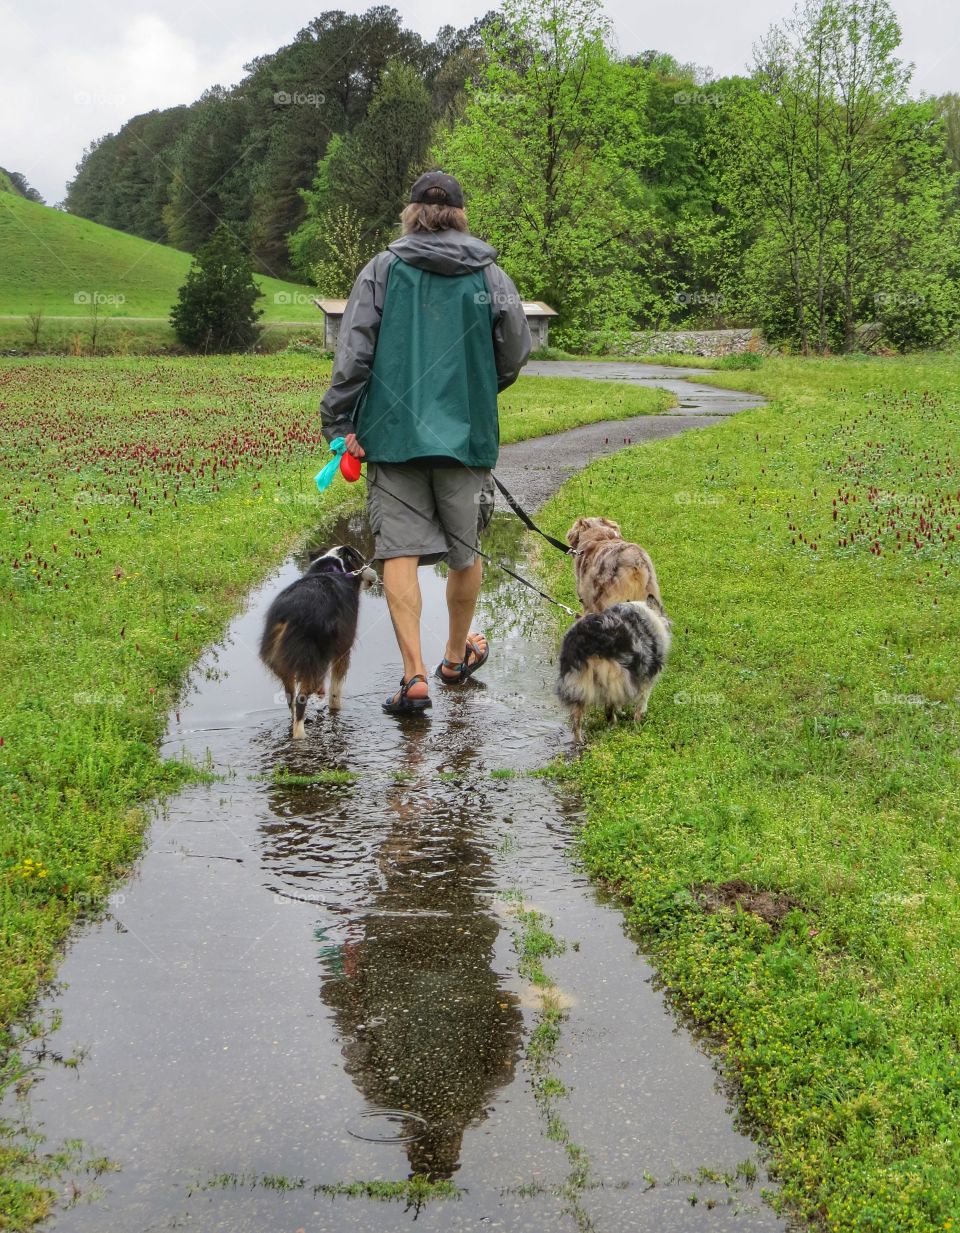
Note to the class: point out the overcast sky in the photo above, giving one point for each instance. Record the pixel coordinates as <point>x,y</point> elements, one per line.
<point>74,71</point>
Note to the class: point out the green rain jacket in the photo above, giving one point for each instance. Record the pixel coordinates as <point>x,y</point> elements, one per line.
<point>432,331</point>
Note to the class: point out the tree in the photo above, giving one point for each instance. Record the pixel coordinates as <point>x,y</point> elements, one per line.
<point>549,147</point>
<point>842,181</point>
<point>948,109</point>
<point>123,180</point>
<point>211,168</point>
<point>342,250</point>
<point>215,307</point>
<point>363,181</point>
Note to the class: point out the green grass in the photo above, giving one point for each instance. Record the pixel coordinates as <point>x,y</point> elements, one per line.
<point>804,739</point>
<point>538,406</point>
<point>49,258</point>
<point>415,1191</point>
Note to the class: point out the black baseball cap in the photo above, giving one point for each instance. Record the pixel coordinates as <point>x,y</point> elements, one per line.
<point>433,180</point>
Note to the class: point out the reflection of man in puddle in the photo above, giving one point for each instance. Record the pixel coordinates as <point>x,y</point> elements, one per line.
<point>427,1026</point>
<point>432,331</point>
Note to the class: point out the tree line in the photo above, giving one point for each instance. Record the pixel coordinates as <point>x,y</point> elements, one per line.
<point>808,196</point>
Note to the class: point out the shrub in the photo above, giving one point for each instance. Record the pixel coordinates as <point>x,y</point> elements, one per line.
<point>215,307</point>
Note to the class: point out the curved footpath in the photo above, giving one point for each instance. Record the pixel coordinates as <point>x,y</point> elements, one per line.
<point>312,979</point>
<point>538,467</point>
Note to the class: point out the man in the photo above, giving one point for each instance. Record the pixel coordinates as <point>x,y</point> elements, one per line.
<point>432,331</point>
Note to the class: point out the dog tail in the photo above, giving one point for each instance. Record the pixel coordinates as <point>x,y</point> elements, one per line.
<point>271,642</point>
<point>599,682</point>
<point>291,651</point>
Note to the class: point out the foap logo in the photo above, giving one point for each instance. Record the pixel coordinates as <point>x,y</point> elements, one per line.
<point>113,298</point>
<point>713,298</point>
<point>97,98</point>
<point>493,697</point>
<point>294,498</point>
<point>283,98</point>
<point>94,902</point>
<point>697,498</point>
<point>100,498</point>
<point>698,98</point>
<point>497,297</point>
<point>686,698</point>
<point>884,697</point>
<point>291,297</point>
<point>281,900</point>
<point>898,299</point>
<point>88,698</point>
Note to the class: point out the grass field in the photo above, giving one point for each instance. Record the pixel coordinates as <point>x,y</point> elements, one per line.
<point>60,263</point>
<point>804,743</point>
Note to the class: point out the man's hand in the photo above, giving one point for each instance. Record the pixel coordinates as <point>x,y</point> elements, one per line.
<point>353,445</point>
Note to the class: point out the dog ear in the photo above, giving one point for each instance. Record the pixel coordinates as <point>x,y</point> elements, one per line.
<point>655,604</point>
<point>573,535</point>
<point>614,526</point>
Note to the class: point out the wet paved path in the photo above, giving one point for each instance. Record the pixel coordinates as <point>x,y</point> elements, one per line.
<point>292,958</point>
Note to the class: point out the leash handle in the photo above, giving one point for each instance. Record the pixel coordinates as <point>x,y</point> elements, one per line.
<point>528,522</point>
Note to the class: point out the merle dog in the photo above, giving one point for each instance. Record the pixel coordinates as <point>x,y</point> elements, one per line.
<point>611,658</point>
<point>311,628</point>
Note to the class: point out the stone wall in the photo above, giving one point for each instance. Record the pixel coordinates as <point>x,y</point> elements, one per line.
<point>692,342</point>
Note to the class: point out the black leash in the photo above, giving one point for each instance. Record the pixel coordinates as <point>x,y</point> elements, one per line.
<point>528,522</point>
<point>479,551</point>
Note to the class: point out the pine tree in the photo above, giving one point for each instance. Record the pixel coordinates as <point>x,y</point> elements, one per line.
<point>215,308</point>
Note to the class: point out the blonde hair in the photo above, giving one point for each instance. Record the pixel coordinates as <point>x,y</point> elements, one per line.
<point>430,216</point>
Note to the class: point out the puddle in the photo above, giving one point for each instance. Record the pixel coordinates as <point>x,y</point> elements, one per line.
<point>310,979</point>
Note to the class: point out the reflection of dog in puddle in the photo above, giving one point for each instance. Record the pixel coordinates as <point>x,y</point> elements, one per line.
<point>612,659</point>
<point>311,627</point>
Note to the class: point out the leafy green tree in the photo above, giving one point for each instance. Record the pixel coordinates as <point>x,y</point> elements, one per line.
<point>123,181</point>
<point>549,148</point>
<point>948,110</point>
<point>343,248</point>
<point>842,182</point>
<point>215,309</point>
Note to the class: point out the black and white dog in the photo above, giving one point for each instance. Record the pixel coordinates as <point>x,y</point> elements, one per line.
<point>612,659</point>
<point>311,627</point>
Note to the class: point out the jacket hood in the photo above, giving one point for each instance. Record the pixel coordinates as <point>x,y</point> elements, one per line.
<point>444,252</point>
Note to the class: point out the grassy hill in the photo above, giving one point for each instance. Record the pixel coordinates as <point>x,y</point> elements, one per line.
<point>58,262</point>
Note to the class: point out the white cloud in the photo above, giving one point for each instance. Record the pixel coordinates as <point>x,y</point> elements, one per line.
<point>55,97</point>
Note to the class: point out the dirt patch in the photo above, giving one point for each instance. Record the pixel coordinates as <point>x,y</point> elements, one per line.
<point>770,906</point>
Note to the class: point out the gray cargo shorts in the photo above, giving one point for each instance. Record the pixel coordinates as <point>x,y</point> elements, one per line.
<point>451,505</point>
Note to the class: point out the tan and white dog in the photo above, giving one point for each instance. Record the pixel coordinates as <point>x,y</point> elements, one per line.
<point>609,569</point>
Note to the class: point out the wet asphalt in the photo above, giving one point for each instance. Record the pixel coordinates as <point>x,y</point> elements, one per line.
<point>308,983</point>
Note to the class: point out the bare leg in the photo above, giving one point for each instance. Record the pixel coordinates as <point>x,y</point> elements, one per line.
<point>338,672</point>
<point>463,587</point>
<point>402,589</point>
